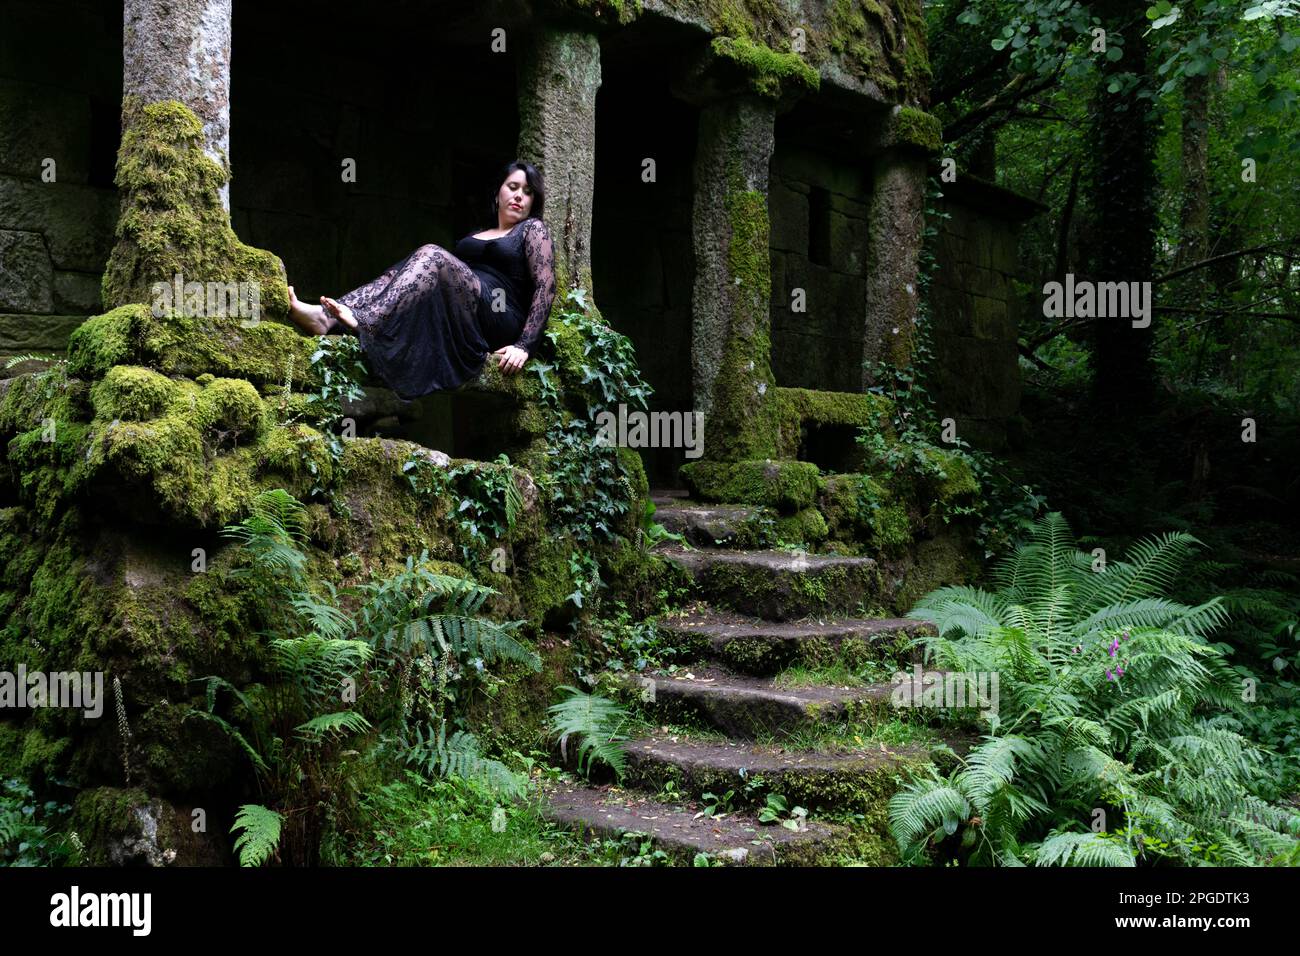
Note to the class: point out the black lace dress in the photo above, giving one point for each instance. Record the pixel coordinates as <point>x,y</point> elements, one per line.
<point>430,321</point>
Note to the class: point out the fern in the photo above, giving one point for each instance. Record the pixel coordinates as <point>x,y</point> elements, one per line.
<point>1105,684</point>
<point>459,756</point>
<point>1082,849</point>
<point>596,722</point>
<point>261,834</point>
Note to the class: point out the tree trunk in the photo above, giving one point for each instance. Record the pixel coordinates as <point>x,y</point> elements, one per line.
<point>1123,212</point>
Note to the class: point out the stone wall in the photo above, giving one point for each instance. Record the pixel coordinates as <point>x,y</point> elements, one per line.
<point>975,310</point>
<point>60,96</point>
<point>819,208</point>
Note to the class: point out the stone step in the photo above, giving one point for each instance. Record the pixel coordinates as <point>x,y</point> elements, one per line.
<point>749,707</point>
<point>736,839</point>
<point>777,585</point>
<point>716,526</point>
<point>859,779</point>
<point>754,646</point>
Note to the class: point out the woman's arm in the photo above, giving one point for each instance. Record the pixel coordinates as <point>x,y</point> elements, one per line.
<point>541,264</point>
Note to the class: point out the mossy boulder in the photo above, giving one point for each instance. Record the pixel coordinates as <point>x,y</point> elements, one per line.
<point>268,353</point>
<point>787,485</point>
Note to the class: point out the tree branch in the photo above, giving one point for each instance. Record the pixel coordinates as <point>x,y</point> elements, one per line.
<point>1221,257</point>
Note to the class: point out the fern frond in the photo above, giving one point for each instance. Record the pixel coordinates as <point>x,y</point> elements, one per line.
<point>261,834</point>
<point>923,808</point>
<point>459,756</point>
<point>335,724</point>
<point>1082,849</point>
<point>596,722</point>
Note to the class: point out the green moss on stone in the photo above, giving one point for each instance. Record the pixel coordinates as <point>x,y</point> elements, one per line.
<point>176,344</point>
<point>796,408</point>
<point>132,393</point>
<point>917,128</point>
<point>807,526</point>
<point>172,221</point>
<point>771,72</point>
<point>788,485</point>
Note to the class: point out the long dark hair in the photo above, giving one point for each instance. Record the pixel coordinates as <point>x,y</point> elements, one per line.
<point>534,177</point>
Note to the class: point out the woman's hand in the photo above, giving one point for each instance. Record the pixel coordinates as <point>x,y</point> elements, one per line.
<point>512,359</point>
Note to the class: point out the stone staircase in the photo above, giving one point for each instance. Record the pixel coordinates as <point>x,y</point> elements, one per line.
<point>728,721</point>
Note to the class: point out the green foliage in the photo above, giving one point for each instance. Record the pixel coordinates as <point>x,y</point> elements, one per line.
<point>453,821</point>
<point>1112,698</point>
<point>459,756</point>
<point>261,834</point>
<point>586,484</point>
<point>30,832</point>
<point>340,364</point>
<point>618,641</point>
<point>407,638</point>
<point>596,722</point>
<point>652,533</point>
<point>1002,506</point>
<point>483,500</point>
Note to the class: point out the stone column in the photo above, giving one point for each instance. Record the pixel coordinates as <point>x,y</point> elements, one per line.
<point>180,50</point>
<point>731,344</point>
<point>895,232</point>
<point>559,74</point>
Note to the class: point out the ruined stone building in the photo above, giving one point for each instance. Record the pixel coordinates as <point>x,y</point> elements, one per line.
<point>731,182</point>
<point>738,186</point>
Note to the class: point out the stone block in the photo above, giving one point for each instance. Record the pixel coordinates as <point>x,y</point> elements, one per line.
<point>990,319</point>
<point>26,279</point>
<point>789,212</point>
<point>40,122</point>
<point>77,292</point>
<point>36,333</point>
<point>77,221</point>
<point>848,243</point>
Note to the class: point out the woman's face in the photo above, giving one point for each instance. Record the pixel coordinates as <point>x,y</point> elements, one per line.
<point>515,198</point>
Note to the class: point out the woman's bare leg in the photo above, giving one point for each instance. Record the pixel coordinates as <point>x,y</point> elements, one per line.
<point>310,318</point>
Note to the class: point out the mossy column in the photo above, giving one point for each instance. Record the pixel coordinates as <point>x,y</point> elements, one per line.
<point>180,50</point>
<point>559,74</point>
<point>895,232</point>
<point>731,342</point>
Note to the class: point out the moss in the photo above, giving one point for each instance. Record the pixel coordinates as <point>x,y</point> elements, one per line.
<point>621,11</point>
<point>958,479</point>
<point>172,222</point>
<point>806,526</point>
<point>891,528</point>
<point>176,344</point>
<point>938,562</point>
<point>771,73</point>
<point>916,128</point>
<point>796,408</point>
<point>789,485</point>
<point>103,341</point>
<point>886,47</point>
<point>743,425</point>
<point>50,471</point>
<point>132,393</point>
<point>230,405</point>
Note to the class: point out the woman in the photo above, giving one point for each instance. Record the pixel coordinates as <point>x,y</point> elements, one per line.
<point>429,322</point>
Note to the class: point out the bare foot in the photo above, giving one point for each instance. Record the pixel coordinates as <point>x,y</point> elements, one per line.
<point>309,318</point>
<point>338,310</point>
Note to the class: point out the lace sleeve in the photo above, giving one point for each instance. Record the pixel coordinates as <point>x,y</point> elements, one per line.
<point>541,265</point>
